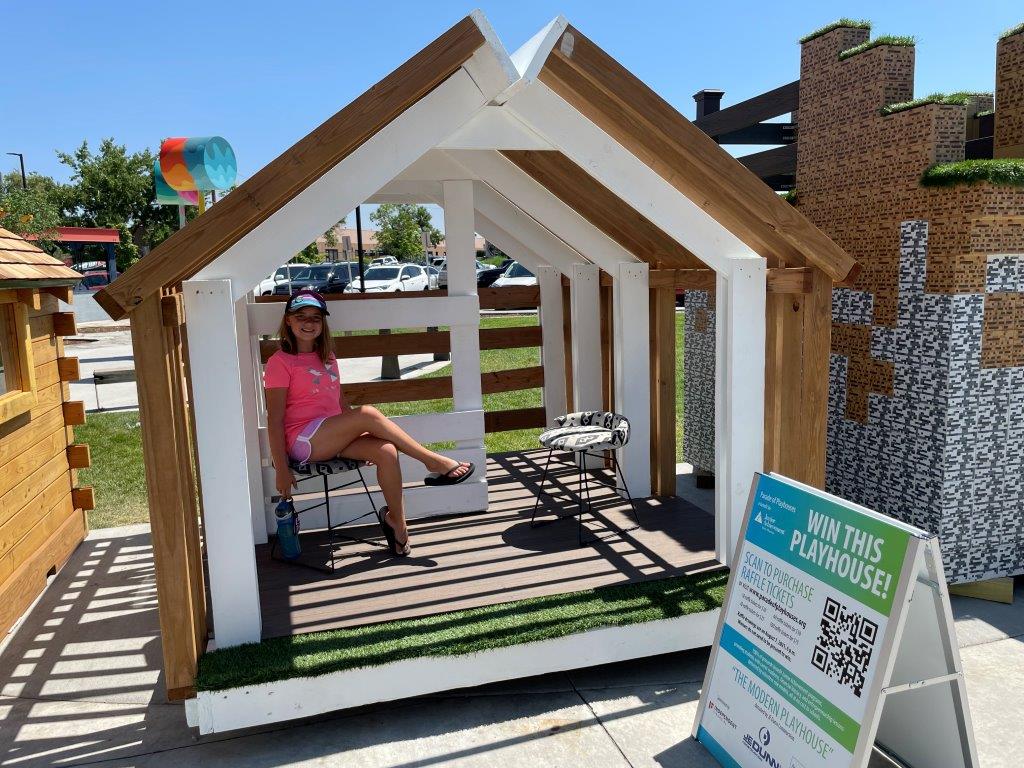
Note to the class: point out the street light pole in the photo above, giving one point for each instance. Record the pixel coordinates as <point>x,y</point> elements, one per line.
<point>21,157</point>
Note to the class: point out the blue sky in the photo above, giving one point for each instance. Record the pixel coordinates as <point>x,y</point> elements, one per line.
<point>264,74</point>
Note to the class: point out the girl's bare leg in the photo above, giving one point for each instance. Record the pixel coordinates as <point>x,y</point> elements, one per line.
<point>389,476</point>
<point>340,431</point>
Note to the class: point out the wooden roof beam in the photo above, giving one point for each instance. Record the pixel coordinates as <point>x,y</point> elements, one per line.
<point>765,106</point>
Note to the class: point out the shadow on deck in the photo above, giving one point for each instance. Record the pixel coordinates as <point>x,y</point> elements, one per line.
<point>493,556</point>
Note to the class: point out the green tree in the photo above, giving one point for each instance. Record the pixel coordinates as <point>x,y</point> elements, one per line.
<point>114,188</point>
<point>400,229</point>
<point>32,211</point>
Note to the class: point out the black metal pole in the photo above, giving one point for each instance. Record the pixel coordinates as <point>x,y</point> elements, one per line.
<point>359,250</point>
<point>21,158</point>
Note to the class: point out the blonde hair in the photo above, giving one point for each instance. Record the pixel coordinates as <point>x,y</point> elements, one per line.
<point>290,345</point>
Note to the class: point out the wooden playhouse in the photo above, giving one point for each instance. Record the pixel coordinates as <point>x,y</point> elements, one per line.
<point>571,165</point>
<point>42,511</point>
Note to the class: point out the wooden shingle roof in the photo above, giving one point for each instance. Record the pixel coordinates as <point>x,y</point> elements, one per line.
<point>21,261</point>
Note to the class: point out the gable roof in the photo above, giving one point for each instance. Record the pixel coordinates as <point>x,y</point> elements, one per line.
<point>716,187</point>
<point>21,261</point>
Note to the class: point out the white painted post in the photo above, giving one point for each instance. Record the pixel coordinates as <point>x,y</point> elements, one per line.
<point>585,309</point>
<point>631,299</point>
<point>215,356</point>
<point>253,412</point>
<point>465,339</point>
<point>552,352</point>
<point>740,427</point>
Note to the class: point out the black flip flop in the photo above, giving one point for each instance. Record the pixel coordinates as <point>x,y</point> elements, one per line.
<point>446,478</point>
<point>389,534</point>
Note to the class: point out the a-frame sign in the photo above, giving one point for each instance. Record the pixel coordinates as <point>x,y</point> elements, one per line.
<point>835,639</point>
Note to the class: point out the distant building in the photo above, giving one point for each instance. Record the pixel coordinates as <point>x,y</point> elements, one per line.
<point>346,243</point>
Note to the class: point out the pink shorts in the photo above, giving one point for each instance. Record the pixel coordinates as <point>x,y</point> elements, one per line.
<point>302,449</point>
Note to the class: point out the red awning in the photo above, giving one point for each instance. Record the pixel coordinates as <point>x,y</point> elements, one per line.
<point>83,235</point>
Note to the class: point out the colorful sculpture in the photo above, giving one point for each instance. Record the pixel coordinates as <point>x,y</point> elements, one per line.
<point>198,164</point>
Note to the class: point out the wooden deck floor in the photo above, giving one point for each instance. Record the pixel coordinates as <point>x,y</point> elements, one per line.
<point>468,560</point>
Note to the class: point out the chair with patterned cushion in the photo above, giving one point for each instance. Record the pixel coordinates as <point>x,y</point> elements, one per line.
<point>586,434</point>
<point>325,470</point>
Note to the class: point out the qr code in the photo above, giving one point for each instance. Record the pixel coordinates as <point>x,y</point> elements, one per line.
<point>844,646</point>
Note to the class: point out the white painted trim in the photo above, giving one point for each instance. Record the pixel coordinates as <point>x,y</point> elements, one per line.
<point>215,359</point>
<point>367,314</point>
<point>552,353</point>
<point>252,406</point>
<point>220,711</point>
<point>631,318</point>
<point>585,311</point>
<point>530,57</point>
<point>550,212</point>
<point>723,552</point>
<point>494,128</point>
<point>407,192</point>
<point>626,175</point>
<point>380,159</point>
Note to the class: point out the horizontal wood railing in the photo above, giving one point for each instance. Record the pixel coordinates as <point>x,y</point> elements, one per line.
<point>779,279</point>
<point>410,390</point>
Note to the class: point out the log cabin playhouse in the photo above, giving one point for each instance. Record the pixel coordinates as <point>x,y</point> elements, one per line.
<point>573,166</point>
<point>42,511</point>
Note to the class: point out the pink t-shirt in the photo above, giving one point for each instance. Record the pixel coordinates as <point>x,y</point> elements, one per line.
<point>314,390</point>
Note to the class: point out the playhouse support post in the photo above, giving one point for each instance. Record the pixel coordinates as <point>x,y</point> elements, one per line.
<point>552,353</point>
<point>459,215</point>
<point>171,514</point>
<point>663,390</point>
<point>631,299</point>
<point>249,374</point>
<point>585,296</point>
<point>739,394</point>
<point>216,360</point>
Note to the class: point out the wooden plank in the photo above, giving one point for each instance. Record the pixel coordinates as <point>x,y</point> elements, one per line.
<point>47,374</point>
<point>44,350</point>
<point>809,447</point>
<point>277,183</point>
<point>83,498</point>
<point>163,488</point>
<point>764,106</point>
<point>65,293</point>
<point>64,324</point>
<point>510,381</point>
<point>74,413</point>
<point>13,405</point>
<point>511,297</point>
<point>607,348</point>
<point>663,391</point>
<point>30,298</point>
<point>20,467</point>
<point>173,311</point>
<point>410,390</point>
<point>23,549</point>
<point>19,437</point>
<point>777,161</point>
<point>69,369</point>
<point>601,207</point>
<point>651,129</point>
<point>790,280</point>
<point>20,524</point>
<point>23,341</point>
<point>79,456</point>
<point>780,279</point>
<point>41,327</point>
<point>997,590</point>
<point>511,338</point>
<point>518,418</point>
<point>26,582</point>
<point>26,487</point>
<point>48,306</point>
<point>567,341</point>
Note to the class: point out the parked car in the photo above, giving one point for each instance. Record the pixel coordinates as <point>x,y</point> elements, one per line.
<point>515,274</point>
<point>442,275</point>
<point>487,276</point>
<point>390,278</point>
<point>381,260</point>
<point>93,280</point>
<point>282,275</point>
<point>323,278</point>
<point>432,273</point>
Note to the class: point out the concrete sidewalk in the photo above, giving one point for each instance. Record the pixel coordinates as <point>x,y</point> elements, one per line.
<point>81,686</point>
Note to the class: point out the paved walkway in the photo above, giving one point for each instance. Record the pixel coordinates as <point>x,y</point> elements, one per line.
<point>81,686</point>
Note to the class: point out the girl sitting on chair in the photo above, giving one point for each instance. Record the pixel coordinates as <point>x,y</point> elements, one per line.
<point>308,419</point>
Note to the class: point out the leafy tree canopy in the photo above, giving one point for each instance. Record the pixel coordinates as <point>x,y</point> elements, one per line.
<point>32,211</point>
<point>400,229</point>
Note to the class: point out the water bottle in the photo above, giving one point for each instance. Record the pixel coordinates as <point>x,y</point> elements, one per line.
<point>288,529</point>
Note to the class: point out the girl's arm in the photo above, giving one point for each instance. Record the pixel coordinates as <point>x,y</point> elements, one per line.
<point>276,397</point>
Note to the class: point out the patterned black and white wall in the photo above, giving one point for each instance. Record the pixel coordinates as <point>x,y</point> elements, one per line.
<point>699,380</point>
<point>945,451</point>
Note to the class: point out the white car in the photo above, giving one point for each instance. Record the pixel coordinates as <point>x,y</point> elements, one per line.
<point>281,275</point>
<point>515,274</point>
<point>391,278</point>
<point>383,260</point>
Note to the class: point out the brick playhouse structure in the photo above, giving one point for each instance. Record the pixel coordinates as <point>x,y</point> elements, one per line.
<point>926,396</point>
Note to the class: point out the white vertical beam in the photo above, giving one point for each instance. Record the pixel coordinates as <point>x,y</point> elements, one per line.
<point>631,299</point>
<point>465,339</point>
<point>741,388</point>
<point>216,362</point>
<point>552,353</point>
<point>585,310</point>
<point>252,405</point>
<point>723,549</point>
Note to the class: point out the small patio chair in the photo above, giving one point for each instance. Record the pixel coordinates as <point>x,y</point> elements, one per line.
<point>583,434</point>
<point>325,470</point>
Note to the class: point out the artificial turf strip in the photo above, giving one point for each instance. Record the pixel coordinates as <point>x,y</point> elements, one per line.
<point>961,98</point>
<point>459,632</point>
<point>841,24</point>
<point>904,41</point>
<point>1003,172</point>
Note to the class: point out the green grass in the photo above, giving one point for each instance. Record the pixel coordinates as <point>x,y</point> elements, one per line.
<point>1005,172</point>
<point>459,632</point>
<point>962,98</point>
<point>1012,31</point>
<point>841,24</point>
<point>904,41</point>
<point>116,474</point>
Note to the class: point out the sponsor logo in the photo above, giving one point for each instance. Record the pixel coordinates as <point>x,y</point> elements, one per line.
<point>722,715</point>
<point>759,746</point>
